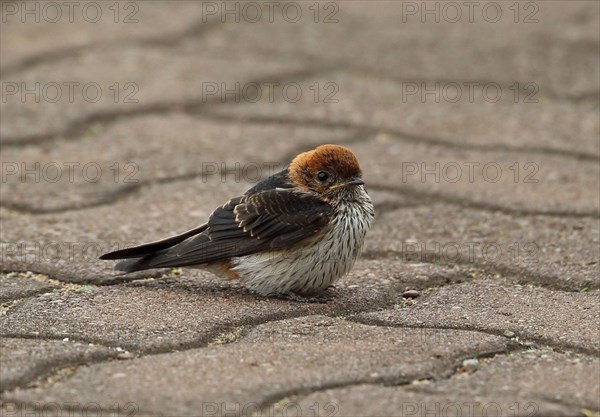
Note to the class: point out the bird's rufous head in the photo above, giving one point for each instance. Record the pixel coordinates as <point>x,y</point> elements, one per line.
<point>326,169</point>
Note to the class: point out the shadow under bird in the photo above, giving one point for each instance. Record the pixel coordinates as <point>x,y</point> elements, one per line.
<point>294,233</point>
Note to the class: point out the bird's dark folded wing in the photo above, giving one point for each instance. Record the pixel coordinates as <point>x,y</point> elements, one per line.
<point>280,179</point>
<point>152,247</point>
<point>272,219</point>
<point>281,217</point>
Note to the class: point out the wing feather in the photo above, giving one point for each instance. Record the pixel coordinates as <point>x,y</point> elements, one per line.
<point>271,219</point>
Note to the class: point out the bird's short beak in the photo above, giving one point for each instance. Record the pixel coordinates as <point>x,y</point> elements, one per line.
<point>352,182</point>
<point>355,181</point>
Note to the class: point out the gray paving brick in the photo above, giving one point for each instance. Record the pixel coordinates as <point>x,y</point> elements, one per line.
<point>560,252</point>
<point>528,383</point>
<point>18,285</point>
<point>271,362</point>
<point>178,311</point>
<point>196,341</point>
<point>24,360</point>
<point>566,320</point>
<point>97,168</point>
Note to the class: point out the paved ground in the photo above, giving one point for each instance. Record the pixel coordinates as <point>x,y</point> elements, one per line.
<point>479,139</point>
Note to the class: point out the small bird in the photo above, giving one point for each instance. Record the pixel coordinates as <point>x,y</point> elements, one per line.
<point>292,234</point>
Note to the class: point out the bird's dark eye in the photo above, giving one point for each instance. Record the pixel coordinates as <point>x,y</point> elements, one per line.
<point>322,176</point>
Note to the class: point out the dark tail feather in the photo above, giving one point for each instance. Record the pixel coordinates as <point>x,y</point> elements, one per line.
<point>152,247</point>
<point>166,258</point>
<point>132,265</point>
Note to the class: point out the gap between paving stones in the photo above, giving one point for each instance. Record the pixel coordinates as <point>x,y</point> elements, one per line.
<point>504,273</point>
<point>53,375</point>
<point>434,197</point>
<point>132,190</point>
<point>122,193</point>
<point>496,357</point>
<point>233,332</point>
<point>216,333</point>
<point>201,27</point>
<point>46,279</point>
<point>236,332</point>
<point>32,293</point>
<point>457,371</point>
<point>78,127</point>
<point>400,135</point>
<point>299,394</point>
<point>116,196</point>
<point>52,273</point>
<point>55,284</point>
<point>197,28</point>
<point>56,370</point>
<point>352,67</point>
<point>541,342</point>
<point>9,305</point>
<point>591,96</point>
<point>221,334</point>
<point>421,196</point>
<point>496,274</point>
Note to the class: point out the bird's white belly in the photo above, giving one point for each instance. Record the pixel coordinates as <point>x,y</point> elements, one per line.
<point>312,266</point>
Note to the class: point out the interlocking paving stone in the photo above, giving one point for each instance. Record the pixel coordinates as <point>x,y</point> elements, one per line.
<point>362,96</point>
<point>518,41</point>
<point>67,245</point>
<point>173,129</point>
<point>178,81</point>
<point>568,320</point>
<point>372,90</point>
<point>561,252</point>
<point>271,362</point>
<point>376,105</point>
<point>520,384</point>
<point>24,360</point>
<point>409,275</point>
<point>511,180</point>
<point>391,40</point>
<point>16,285</point>
<point>98,167</point>
<point>49,31</point>
<point>175,312</point>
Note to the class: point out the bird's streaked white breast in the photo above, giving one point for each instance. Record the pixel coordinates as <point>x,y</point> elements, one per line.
<point>317,262</point>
